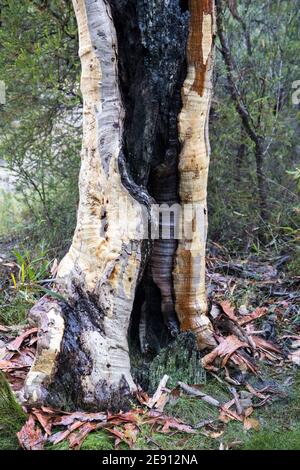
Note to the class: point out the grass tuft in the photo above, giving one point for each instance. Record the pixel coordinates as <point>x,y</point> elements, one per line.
<point>12,416</point>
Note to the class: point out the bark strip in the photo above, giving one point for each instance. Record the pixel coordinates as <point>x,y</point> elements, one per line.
<point>189,271</point>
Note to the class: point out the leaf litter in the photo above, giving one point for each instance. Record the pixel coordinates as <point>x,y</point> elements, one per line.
<point>240,347</point>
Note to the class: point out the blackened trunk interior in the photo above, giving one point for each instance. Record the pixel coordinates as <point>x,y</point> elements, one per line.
<point>152,40</point>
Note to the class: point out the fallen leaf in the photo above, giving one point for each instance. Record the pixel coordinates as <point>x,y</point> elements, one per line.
<point>251,423</point>
<point>76,438</point>
<point>168,422</point>
<point>120,436</point>
<point>17,343</point>
<point>69,419</point>
<point>262,343</point>
<point>213,434</point>
<point>226,348</point>
<point>30,436</point>
<point>228,309</point>
<point>62,435</point>
<point>44,420</point>
<point>131,432</point>
<point>258,313</point>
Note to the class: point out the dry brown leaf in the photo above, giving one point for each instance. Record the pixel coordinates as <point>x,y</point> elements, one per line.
<point>142,397</point>
<point>251,423</point>
<point>130,433</point>
<point>248,411</point>
<point>226,348</point>
<point>258,313</point>
<point>229,415</point>
<point>168,422</point>
<point>128,417</point>
<point>76,438</point>
<point>228,309</point>
<point>262,343</point>
<point>120,435</point>
<point>30,436</point>
<point>44,420</point>
<point>69,419</point>
<point>17,343</point>
<point>213,434</point>
<point>62,435</point>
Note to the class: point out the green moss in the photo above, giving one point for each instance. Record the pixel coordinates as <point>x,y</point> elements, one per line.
<point>268,440</point>
<point>15,311</point>
<point>180,360</point>
<point>99,440</point>
<point>12,417</point>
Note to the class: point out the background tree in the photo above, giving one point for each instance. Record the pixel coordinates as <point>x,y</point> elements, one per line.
<point>257,46</point>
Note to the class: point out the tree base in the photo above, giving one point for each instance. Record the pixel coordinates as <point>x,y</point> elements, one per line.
<point>79,364</point>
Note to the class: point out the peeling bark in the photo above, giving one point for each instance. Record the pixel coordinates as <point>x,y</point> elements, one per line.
<point>189,272</point>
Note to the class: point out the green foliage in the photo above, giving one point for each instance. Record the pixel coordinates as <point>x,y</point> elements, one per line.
<point>14,310</point>
<point>264,45</point>
<point>25,285</point>
<point>12,417</point>
<point>31,271</point>
<point>40,123</point>
<point>12,213</point>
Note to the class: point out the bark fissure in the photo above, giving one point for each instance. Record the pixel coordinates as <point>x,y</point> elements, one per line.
<point>152,38</point>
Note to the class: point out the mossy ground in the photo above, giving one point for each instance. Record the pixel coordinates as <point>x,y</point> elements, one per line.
<point>279,421</point>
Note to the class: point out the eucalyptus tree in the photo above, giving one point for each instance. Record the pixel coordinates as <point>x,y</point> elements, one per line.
<point>146,84</point>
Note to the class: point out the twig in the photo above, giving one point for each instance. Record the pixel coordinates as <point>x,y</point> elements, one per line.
<point>162,384</point>
<point>237,402</point>
<point>196,393</point>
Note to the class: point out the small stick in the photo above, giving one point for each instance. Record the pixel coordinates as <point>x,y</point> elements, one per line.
<point>159,391</point>
<point>237,402</point>
<point>196,393</point>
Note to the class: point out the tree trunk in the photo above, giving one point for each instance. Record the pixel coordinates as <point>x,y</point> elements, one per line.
<point>145,67</point>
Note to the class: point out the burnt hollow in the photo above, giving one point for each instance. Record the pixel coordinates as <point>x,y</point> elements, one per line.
<point>152,39</point>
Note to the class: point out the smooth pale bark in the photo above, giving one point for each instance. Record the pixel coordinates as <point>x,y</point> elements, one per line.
<point>189,272</point>
<point>82,354</point>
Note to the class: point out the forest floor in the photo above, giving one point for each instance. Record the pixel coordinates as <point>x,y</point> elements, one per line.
<point>249,400</point>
